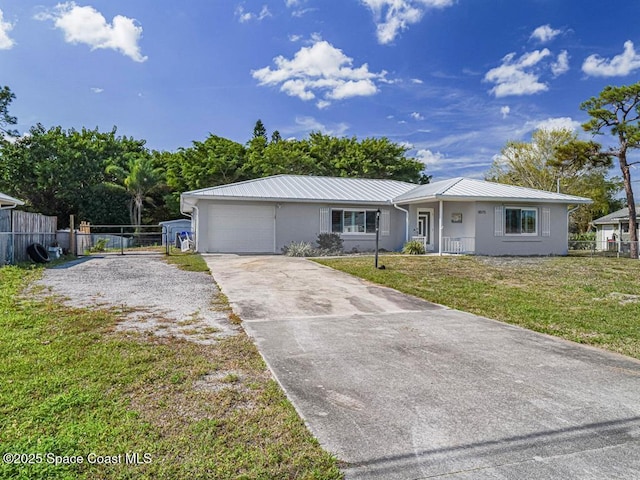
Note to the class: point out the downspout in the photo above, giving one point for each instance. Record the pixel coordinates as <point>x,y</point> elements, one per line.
<point>406,222</point>
<point>440,227</point>
<point>197,227</point>
<point>191,217</point>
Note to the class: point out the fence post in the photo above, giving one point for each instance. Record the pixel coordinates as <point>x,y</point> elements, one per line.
<point>72,236</point>
<point>121,240</point>
<point>165,236</point>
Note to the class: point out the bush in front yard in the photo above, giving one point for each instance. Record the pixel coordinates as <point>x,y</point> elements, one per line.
<point>414,247</point>
<point>299,249</point>
<point>330,244</point>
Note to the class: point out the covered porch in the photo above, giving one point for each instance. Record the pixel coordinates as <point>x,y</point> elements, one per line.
<point>443,227</point>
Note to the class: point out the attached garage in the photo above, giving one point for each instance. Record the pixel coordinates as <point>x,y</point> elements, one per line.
<point>267,214</point>
<point>241,228</point>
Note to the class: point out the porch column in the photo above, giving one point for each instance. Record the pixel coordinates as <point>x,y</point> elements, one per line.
<point>440,227</point>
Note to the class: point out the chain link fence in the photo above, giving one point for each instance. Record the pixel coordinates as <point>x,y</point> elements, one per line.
<point>607,248</point>
<point>123,239</point>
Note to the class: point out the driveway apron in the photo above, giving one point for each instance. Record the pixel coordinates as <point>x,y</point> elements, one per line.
<point>400,388</point>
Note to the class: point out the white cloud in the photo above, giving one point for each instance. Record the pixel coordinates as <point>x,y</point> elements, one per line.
<point>264,13</point>
<point>296,5</point>
<point>87,25</point>
<point>310,124</point>
<point>393,16</point>
<point>561,65</point>
<point>97,89</point>
<point>505,111</point>
<point>518,76</point>
<point>545,33</point>
<point>558,123</point>
<point>417,81</point>
<point>6,42</point>
<point>320,69</point>
<point>417,116</point>
<point>618,66</point>
<point>427,157</point>
<point>295,38</point>
<point>244,16</point>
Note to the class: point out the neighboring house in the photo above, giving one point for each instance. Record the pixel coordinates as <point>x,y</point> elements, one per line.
<point>6,237</point>
<point>613,228</point>
<point>460,215</point>
<point>7,202</point>
<point>173,228</point>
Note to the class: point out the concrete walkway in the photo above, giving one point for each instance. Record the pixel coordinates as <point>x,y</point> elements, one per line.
<point>400,388</point>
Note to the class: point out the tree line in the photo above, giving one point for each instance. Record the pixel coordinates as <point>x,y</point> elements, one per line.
<point>105,178</point>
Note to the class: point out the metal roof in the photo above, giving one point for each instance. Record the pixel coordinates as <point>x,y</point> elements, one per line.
<point>470,189</point>
<point>301,188</point>
<point>617,216</point>
<point>7,200</point>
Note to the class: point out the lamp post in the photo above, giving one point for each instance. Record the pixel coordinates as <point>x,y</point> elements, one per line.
<point>377,234</point>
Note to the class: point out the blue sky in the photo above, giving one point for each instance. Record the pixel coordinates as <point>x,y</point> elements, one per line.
<point>452,79</point>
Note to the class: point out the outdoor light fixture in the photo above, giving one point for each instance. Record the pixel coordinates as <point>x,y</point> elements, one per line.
<point>381,267</point>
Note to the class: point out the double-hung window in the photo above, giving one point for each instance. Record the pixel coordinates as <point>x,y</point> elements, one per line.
<point>353,221</point>
<point>521,221</point>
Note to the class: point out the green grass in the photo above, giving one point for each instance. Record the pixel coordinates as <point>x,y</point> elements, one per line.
<point>73,385</point>
<point>587,300</point>
<point>189,261</point>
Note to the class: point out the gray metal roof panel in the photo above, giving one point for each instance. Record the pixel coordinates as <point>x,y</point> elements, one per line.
<point>615,217</point>
<point>468,189</point>
<point>308,188</point>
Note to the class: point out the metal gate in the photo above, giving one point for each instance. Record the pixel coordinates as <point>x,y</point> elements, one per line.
<point>121,239</point>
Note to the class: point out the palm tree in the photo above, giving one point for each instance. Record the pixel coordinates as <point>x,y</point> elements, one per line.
<point>139,179</point>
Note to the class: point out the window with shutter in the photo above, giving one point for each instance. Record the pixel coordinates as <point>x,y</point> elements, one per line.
<point>499,222</point>
<point>325,220</point>
<point>385,223</point>
<point>546,222</point>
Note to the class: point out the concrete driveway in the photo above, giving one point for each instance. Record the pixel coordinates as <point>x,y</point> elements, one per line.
<point>400,388</point>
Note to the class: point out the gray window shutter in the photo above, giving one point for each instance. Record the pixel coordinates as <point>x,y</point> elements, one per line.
<point>385,223</point>
<point>546,222</point>
<point>498,222</point>
<point>325,220</point>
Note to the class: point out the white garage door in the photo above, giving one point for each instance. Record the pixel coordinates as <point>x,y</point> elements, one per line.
<point>241,228</point>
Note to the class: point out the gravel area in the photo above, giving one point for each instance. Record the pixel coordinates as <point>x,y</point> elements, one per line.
<point>153,296</point>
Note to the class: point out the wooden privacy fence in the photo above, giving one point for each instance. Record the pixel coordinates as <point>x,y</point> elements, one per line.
<point>20,229</point>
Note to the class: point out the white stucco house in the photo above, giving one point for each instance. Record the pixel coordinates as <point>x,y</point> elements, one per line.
<point>460,215</point>
<point>613,228</point>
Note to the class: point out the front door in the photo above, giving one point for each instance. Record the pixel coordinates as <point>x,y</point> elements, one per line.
<point>425,226</point>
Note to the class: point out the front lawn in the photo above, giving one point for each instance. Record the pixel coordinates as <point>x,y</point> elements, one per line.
<point>595,301</point>
<point>80,399</point>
